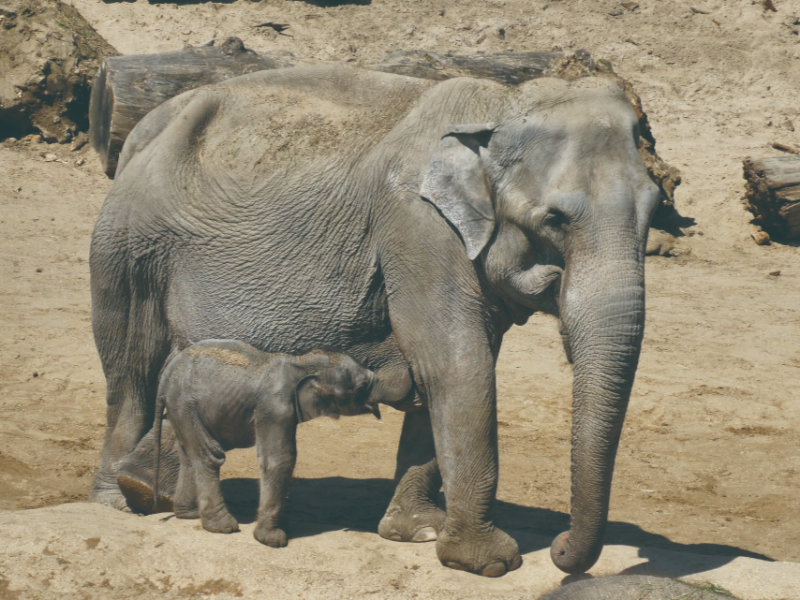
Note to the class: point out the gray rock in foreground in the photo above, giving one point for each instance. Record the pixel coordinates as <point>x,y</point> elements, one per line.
<point>636,587</point>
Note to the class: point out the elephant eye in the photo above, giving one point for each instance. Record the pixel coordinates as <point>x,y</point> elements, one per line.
<point>555,219</point>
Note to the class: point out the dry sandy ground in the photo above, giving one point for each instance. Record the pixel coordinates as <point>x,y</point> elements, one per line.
<point>77,551</point>
<point>710,456</point>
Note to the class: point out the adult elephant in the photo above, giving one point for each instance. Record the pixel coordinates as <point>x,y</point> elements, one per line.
<point>408,222</point>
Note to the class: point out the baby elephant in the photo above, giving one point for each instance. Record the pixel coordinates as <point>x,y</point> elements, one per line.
<point>222,394</point>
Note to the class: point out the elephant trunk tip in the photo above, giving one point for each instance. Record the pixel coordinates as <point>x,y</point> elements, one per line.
<point>571,561</point>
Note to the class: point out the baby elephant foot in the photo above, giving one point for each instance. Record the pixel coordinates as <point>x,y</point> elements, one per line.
<point>489,552</point>
<point>222,522</point>
<point>274,538</point>
<point>412,522</point>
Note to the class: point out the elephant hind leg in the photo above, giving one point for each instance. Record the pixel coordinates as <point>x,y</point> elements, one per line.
<point>202,457</point>
<point>135,474</point>
<point>132,339</point>
<point>413,514</point>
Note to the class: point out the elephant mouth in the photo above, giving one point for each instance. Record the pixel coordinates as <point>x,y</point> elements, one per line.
<point>546,278</point>
<point>538,287</point>
<point>375,409</point>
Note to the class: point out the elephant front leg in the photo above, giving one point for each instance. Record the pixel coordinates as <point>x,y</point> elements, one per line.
<point>464,420</point>
<point>413,514</point>
<point>277,454</point>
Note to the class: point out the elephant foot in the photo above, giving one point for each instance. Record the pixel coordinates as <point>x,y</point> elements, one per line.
<point>105,490</point>
<point>274,538</point>
<point>413,515</point>
<point>139,496</point>
<point>418,523</point>
<point>221,522</point>
<point>134,477</point>
<point>488,552</point>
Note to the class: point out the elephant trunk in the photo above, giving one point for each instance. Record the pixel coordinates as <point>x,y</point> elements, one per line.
<point>602,310</point>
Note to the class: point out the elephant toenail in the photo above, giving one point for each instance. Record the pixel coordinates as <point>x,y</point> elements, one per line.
<point>494,570</point>
<point>426,534</point>
<point>395,537</point>
<point>455,565</point>
<point>516,564</point>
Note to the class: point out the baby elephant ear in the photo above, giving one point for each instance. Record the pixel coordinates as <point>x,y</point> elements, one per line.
<point>456,183</point>
<point>311,401</point>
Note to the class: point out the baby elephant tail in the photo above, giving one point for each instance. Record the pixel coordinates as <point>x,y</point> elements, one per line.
<point>160,406</point>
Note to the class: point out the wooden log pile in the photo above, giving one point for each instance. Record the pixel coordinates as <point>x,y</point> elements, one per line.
<point>128,87</point>
<point>773,194</point>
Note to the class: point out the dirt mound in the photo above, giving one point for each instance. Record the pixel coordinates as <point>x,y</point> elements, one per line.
<point>94,552</point>
<point>49,55</point>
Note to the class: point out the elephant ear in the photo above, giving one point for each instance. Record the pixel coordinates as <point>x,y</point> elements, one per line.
<point>311,400</point>
<point>456,183</point>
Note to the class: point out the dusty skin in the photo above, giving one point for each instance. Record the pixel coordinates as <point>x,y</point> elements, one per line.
<point>710,456</point>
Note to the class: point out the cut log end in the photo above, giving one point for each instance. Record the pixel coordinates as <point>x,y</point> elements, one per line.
<point>101,107</point>
<point>773,195</point>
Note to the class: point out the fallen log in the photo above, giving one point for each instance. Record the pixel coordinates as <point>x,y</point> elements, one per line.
<point>128,87</point>
<point>511,68</point>
<point>773,194</point>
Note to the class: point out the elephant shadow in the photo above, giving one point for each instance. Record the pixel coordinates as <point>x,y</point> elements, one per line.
<point>338,503</point>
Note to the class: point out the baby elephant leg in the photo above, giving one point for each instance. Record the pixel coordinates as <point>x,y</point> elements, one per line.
<point>214,514</point>
<point>204,458</point>
<point>277,453</point>
<point>185,499</point>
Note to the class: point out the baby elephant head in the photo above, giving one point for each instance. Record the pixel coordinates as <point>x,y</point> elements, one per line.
<point>339,389</point>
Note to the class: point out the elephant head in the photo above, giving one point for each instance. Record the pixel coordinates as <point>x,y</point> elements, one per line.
<point>553,205</point>
<point>341,388</point>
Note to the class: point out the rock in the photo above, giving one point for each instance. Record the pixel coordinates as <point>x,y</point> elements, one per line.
<point>659,243</point>
<point>48,57</point>
<point>636,587</point>
<point>761,238</point>
<point>79,142</point>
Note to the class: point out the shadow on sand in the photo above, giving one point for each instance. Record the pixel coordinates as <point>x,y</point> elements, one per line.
<point>337,503</point>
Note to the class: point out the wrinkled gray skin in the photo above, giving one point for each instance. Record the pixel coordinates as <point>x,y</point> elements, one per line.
<point>409,223</point>
<point>633,587</point>
<point>225,394</point>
